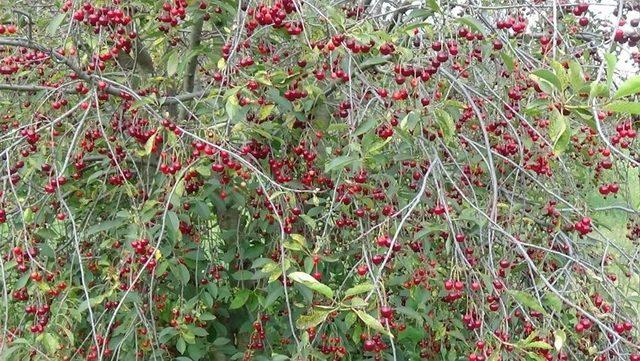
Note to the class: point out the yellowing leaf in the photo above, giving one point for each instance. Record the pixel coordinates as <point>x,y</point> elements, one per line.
<point>372,322</point>
<point>312,283</point>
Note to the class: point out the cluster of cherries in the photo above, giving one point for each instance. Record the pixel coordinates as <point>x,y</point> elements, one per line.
<point>583,226</point>
<point>258,336</point>
<point>374,343</point>
<point>332,346</point>
<point>518,26</point>
<point>172,14</point>
<point>454,290</point>
<point>143,252</point>
<point>606,189</point>
<point>625,135</point>
<point>274,15</point>
<point>42,317</point>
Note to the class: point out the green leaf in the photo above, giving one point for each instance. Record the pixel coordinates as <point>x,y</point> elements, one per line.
<point>265,111</point>
<point>527,300</point>
<point>507,60</point>
<point>433,4</point>
<point>630,86</point>
<point>559,132</point>
<point>173,224</point>
<point>240,299</point>
<point>181,272</point>
<point>375,60</point>
<point>361,288</point>
<point>546,76</point>
<point>232,107</point>
<point>54,24</point>
<point>372,322</point>
<point>539,344</point>
<point>172,63</point>
<point>221,341</point>
<point>200,332</point>
<point>366,126</point>
<point>611,67</point>
<point>559,338</point>
<point>620,106</point>
<point>553,301</point>
<point>51,342</point>
<point>181,346</point>
<point>339,162</point>
<point>104,226</point>
<point>299,239</point>
<point>166,334</point>
<point>316,317</point>
<point>207,316</point>
<point>474,24</point>
<point>575,75</point>
<point>446,124</point>
<point>22,281</point>
<point>312,283</point>
<point>148,146</point>
<point>409,121</point>
<point>292,246</point>
<point>242,275</point>
<point>411,312</point>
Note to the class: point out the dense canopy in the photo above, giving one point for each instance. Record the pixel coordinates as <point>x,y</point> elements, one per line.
<point>319,180</point>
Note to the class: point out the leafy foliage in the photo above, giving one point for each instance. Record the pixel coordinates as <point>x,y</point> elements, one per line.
<point>318,180</point>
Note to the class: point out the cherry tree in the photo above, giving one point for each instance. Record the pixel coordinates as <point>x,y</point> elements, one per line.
<point>319,180</point>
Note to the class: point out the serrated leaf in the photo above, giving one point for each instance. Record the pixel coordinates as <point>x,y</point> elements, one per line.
<point>221,341</point>
<point>361,288</point>
<point>265,111</point>
<point>240,299</point>
<point>200,332</point>
<point>575,75</point>
<point>242,275</point>
<point>22,281</point>
<point>446,124</point>
<point>553,301</point>
<point>630,86</point>
<point>433,4</point>
<point>292,246</point>
<point>312,283</point>
<point>539,344</point>
<point>372,322</point>
<point>526,300</point>
<point>409,121</point>
<point>316,317</point>
<point>148,146</point>
<point>544,75</point>
<point>299,239</point>
<point>626,107</point>
<point>181,272</point>
<point>366,126</point>
<point>104,226</point>
<point>51,342</point>
<point>181,346</point>
<point>559,132</point>
<point>339,162</point>
<point>173,224</point>
<point>232,107</point>
<point>375,60</point>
